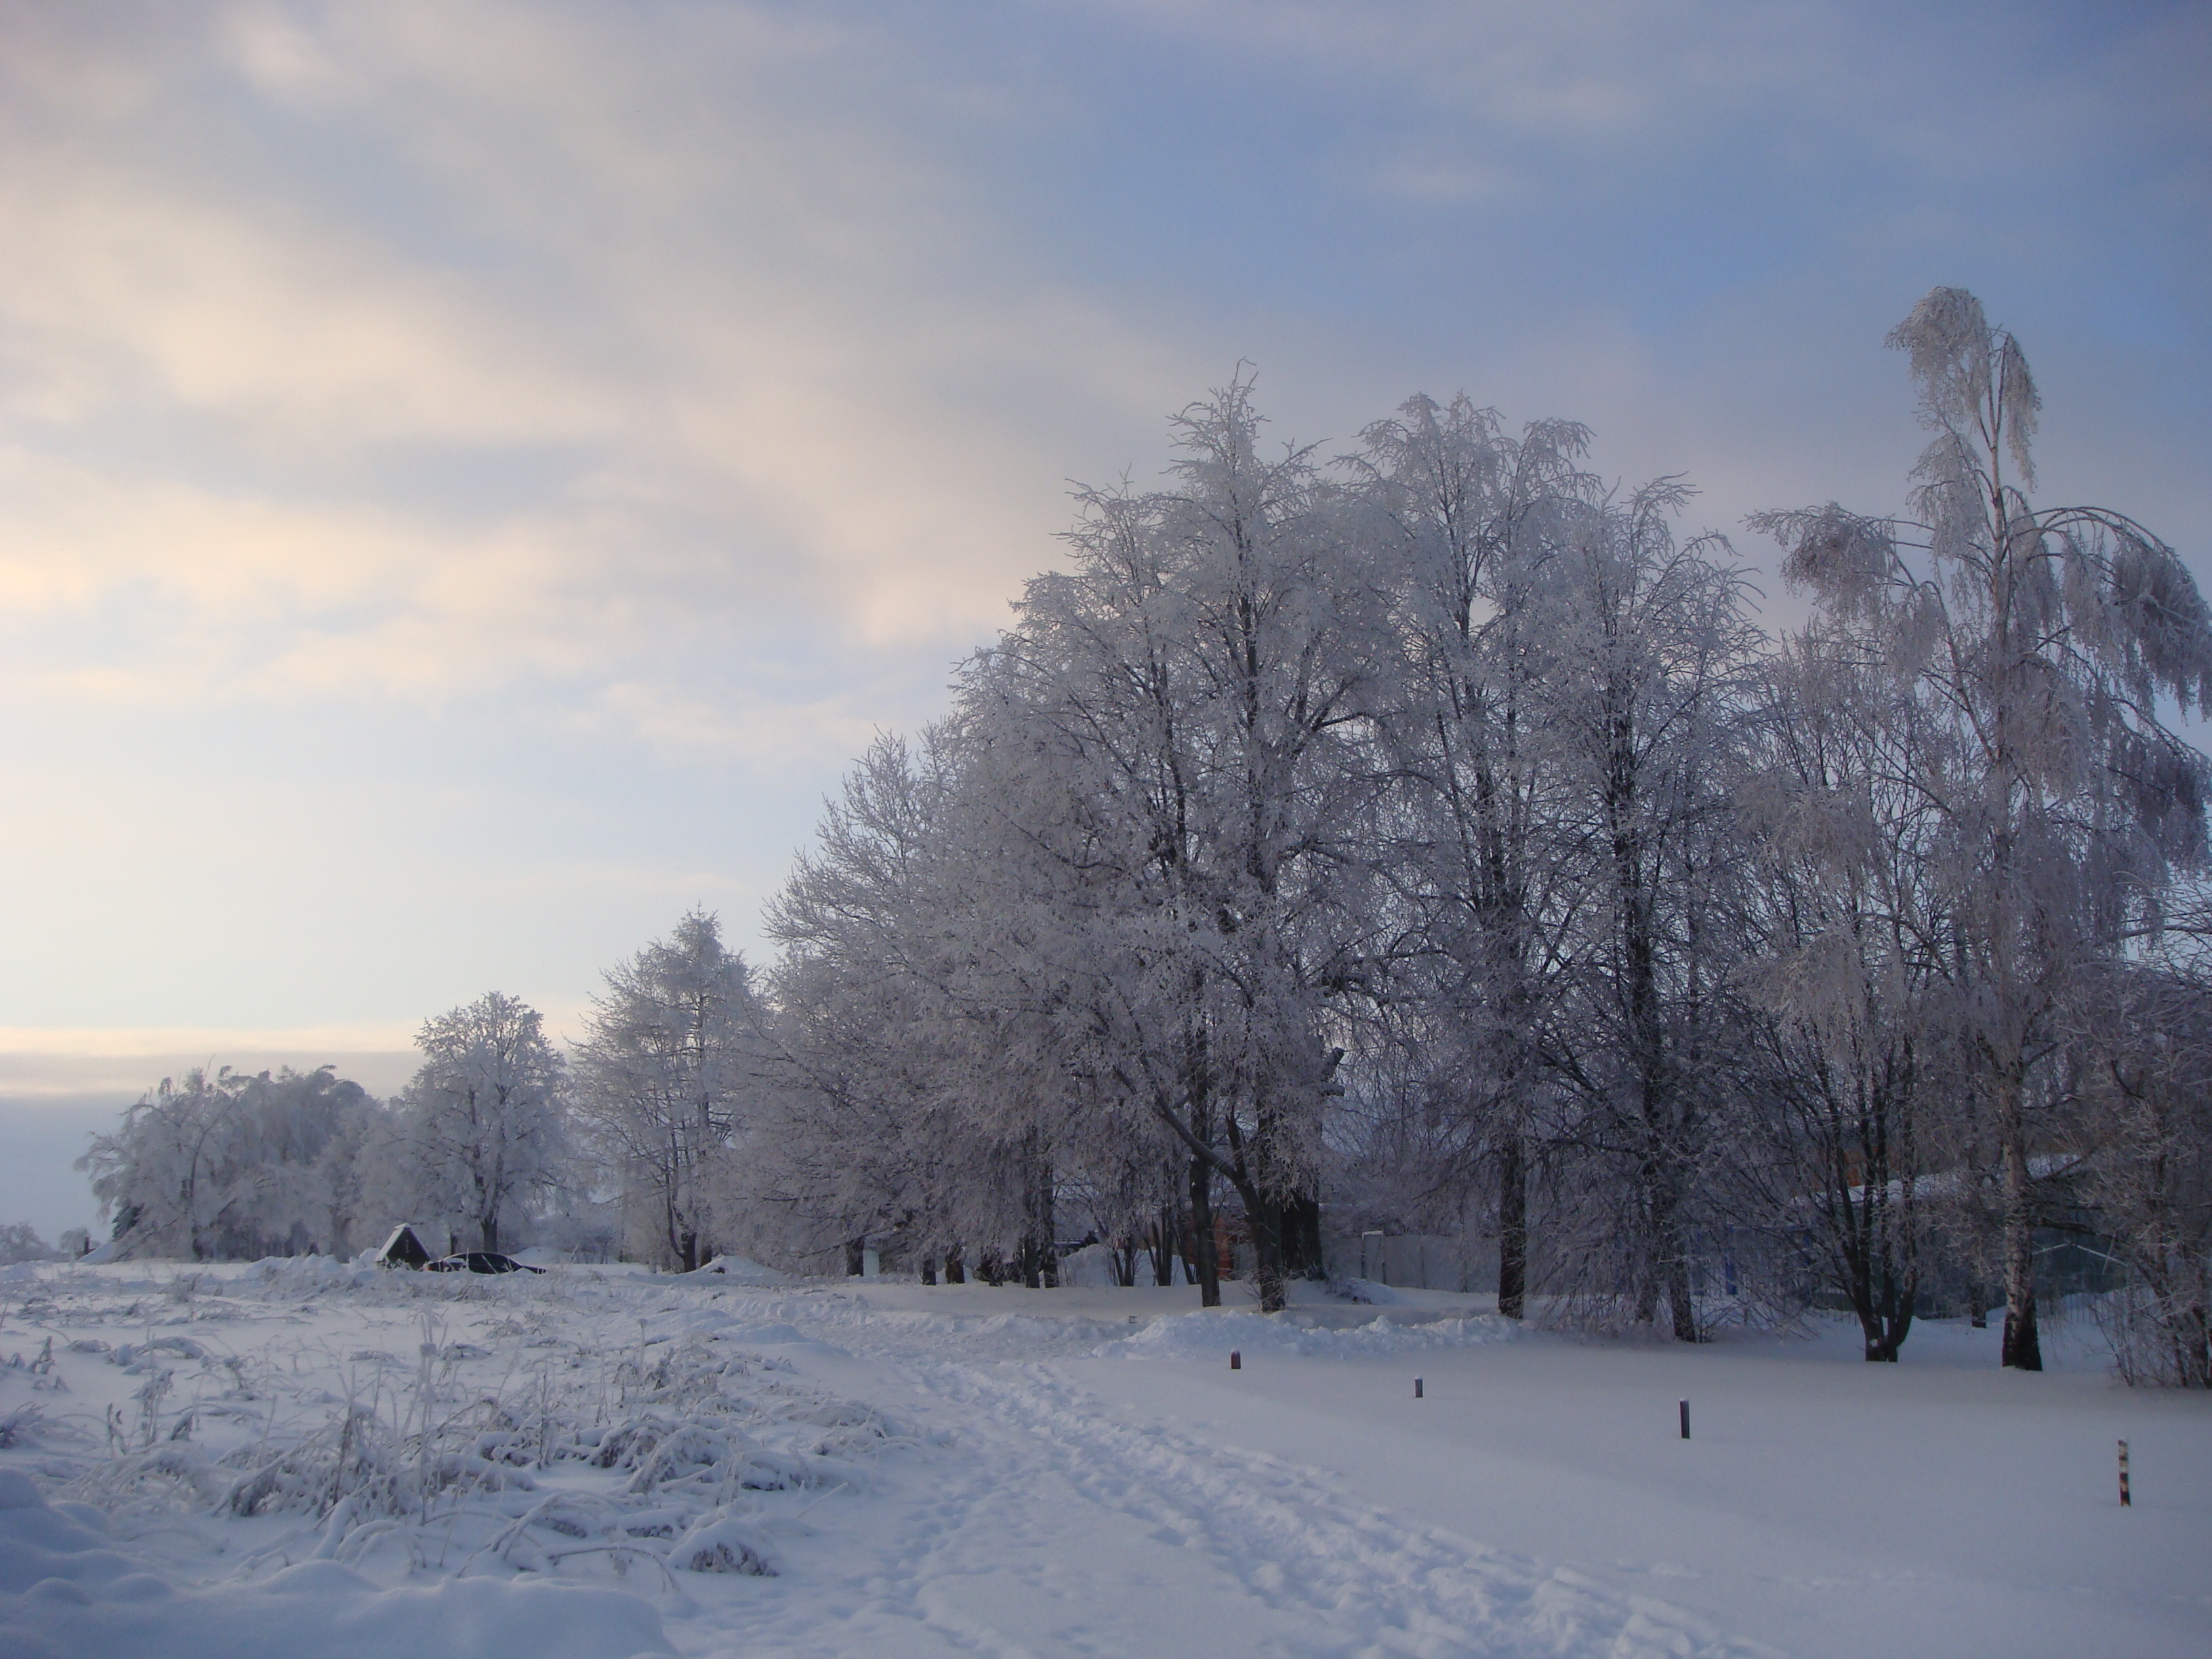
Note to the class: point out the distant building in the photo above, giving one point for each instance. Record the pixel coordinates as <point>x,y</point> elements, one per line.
<point>403,1248</point>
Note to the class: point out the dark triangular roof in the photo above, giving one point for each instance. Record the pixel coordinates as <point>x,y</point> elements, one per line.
<point>402,1249</point>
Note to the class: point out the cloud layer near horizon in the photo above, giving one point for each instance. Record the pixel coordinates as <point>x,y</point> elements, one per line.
<point>471,473</point>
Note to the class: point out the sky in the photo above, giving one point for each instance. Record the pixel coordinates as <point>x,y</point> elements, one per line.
<point>473,473</point>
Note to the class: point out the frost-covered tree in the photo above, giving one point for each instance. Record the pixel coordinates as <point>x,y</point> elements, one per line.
<point>20,1241</point>
<point>1849,937</point>
<point>169,1174</point>
<point>234,1165</point>
<point>898,1109</point>
<point>1657,650</point>
<point>1479,522</point>
<point>2045,636</point>
<point>669,1052</point>
<point>1198,698</point>
<point>484,1123</point>
<point>2142,1159</point>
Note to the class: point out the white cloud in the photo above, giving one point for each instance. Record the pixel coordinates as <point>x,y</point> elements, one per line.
<point>671,391</point>
<point>753,336</point>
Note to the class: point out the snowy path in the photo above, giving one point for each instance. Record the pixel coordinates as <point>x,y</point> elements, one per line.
<point>1295,1540</point>
<point>1058,1525</point>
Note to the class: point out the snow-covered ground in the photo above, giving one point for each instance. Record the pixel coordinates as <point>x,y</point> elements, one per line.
<point>619,1464</point>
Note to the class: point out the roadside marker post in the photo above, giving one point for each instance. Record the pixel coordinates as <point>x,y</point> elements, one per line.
<point>2127,1499</point>
<point>1236,1359</point>
<point>1417,1388</point>
<point>1686,1419</point>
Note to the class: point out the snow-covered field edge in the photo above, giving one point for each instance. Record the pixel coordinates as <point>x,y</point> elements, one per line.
<point>606,1462</point>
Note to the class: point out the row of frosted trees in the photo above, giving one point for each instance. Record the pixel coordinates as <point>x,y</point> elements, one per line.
<point>625,1143</point>
<point>1427,837</point>
<point>225,1164</point>
<point>1432,832</point>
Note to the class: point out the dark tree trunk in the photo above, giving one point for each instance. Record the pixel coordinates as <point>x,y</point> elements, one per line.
<point>856,1258</point>
<point>1513,1228</point>
<point>1265,1216</point>
<point>929,1270</point>
<point>1885,1326</point>
<point>1202,1228</point>
<point>1302,1251</point>
<point>1674,1260</point>
<point>1047,1215</point>
<point>1187,1248</point>
<point>1870,1176</point>
<point>956,1270</point>
<point>1039,1255</point>
<point>2022,1349</point>
<point>1162,1244</point>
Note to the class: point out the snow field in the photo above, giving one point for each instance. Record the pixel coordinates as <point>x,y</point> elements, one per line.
<point>264,1460</point>
<point>1827,1506</point>
<point>67,1592</point>
<point>528,1428</point>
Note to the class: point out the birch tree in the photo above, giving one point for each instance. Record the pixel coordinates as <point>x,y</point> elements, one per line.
<point>2046,637</point>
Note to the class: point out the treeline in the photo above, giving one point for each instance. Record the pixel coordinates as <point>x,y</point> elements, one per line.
<point>1430,837</point>
<point>1432,833</point>
<point>232,1166</point>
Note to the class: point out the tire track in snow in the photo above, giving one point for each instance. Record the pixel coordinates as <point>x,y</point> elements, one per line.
<point>1378,1584</point>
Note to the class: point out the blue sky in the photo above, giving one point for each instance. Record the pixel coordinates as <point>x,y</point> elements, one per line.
<point>473,473</point>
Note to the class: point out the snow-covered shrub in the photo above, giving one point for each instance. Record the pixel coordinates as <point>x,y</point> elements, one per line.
<point>2161,1333</point>
<point>665,1450</point>
<point>719,1544</point>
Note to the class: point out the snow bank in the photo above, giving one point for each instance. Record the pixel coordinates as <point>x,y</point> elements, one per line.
<point>64,1592</point>
<point>1090,1267</point>
<point>760,1333</point>
<point>1366,1291</point>
<point>308,1275</point>
<point>1212,1335</point>
<point>737,1270</point>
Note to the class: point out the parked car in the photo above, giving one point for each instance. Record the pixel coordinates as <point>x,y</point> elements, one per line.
<point>480,1261</point>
